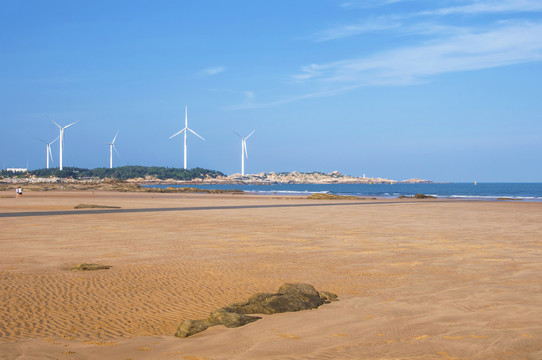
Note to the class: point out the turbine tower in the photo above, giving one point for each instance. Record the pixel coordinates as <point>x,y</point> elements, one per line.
<point>111,147</point>
<point>185,130</point>
<point>61,136</point>
<point>49,152</point>
<point>244,152</point>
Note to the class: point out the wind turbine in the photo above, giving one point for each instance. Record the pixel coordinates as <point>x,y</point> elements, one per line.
<point>185,130</point>
<point>49,152</point>
<point>244,152</point>
<point>61,136</point>
<point>111,147</point>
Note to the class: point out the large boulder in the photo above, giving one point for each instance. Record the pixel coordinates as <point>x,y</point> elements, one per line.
<point>305,292</point>
<point>289,297</point>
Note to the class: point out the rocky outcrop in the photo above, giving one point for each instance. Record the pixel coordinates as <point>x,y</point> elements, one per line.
<point>417,196</point>
<point>263,178</point>
<point>423,196</point>
<point>289,297</point>
<point>295,177</point>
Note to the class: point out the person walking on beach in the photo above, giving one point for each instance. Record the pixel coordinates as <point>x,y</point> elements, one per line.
<point>19,192</point>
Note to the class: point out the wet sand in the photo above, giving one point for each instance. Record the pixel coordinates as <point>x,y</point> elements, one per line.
<point>417,279</point>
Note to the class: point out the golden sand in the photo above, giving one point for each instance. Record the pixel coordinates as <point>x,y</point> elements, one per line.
<point>418,279</point>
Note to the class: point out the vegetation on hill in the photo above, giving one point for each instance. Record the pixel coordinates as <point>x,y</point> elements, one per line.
<point>121,173</point>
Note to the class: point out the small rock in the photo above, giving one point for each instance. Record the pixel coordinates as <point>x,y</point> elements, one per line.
<point>90,267</point>
<point>327,296</point>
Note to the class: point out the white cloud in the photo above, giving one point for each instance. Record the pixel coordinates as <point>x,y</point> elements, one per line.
<point>249,95</point>
<point>343,31</point>
<point>401,22</point>
<point>436,45</point>
<point>510,44</point>
<point>498,6</point>
<point>291,99</point>
<point>210,71</point>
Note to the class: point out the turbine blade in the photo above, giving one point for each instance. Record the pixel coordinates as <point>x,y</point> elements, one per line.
<point>54,140</point>
<point>67,126</point>
<point>60,127</point>
<point>45,142</point>
<point>238,134</point>
<point>193,132</point>
<point>186,117</point>
<point>114,147</point>
<point>50,154</point>
<point>250,134</point>
<point>246,152</point>
<point>177,133</point>
<point>115,138</point>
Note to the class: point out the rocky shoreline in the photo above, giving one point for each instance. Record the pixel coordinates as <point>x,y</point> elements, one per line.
<point>273,178</point>
<point>135,184</point>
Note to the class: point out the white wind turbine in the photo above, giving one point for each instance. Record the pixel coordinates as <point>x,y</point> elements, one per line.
<point>244,152</point>
<point>111,147</point>
<point>49,152</point>
<point>61,136</point>
<point>185,130</point>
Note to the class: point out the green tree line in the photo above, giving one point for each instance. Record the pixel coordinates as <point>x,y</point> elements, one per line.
<point>120,173</point>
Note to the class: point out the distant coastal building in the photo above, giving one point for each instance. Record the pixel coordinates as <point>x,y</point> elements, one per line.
<point>17,170</point>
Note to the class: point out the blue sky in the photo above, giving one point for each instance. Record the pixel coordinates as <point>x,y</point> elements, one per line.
<point>447,90</point>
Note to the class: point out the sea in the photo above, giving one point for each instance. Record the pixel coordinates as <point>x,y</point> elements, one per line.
<point>465,191</point>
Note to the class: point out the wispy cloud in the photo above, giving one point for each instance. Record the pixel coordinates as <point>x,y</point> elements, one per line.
<point>365,26</point>
<point>249,95</point>
<point>393,25</point>
<point>481,7</point>
<point>291,99</point>
<point>367,3</point>
<point>214,70</point>
<point>246,94</point>
<point>405,23</point>
<point>506,45</point>
<point>417,47</point>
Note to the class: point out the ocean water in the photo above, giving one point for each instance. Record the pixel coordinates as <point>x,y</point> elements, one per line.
<point>480,191</point>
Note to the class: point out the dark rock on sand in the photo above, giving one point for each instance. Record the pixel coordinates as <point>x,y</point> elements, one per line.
<point>290,297</point>
<point>94,206</point>
<point>191,327</point>
<point>422,196</point>
<point>417,196</point>
<point>90,267</point>
<point>328,297</point>
<point>320,196</point>
<point>230,319</point>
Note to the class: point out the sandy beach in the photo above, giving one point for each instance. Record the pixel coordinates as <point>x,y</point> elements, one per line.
<point>417,279</point>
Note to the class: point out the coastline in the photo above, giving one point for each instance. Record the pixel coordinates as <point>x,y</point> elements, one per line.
<point>462,191</point>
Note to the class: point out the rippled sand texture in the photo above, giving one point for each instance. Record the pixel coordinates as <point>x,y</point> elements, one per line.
<point>417,279</point>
